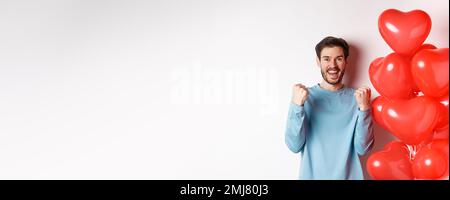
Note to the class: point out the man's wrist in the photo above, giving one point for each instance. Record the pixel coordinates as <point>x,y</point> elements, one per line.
<point>364,108</point>
<point>298,104</point>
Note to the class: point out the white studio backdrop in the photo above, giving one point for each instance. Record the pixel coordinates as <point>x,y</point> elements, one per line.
<point>196,89</point>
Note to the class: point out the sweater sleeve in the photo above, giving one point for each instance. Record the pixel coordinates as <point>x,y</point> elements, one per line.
<point>364,137</point>
<point>295,134</point>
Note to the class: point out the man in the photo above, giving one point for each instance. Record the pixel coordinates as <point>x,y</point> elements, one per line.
<point>330,123</point>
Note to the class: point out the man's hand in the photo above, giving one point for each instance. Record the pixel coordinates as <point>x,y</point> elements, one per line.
<point>299,94</point>
<point>362,96</point>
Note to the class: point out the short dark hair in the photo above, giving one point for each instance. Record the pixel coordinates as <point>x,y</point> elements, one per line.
<point>332,42</point>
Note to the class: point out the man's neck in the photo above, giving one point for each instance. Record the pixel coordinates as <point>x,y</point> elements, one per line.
<point>330,87</point>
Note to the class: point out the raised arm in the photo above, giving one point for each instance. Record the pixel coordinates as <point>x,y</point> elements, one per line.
<point>296,127</point>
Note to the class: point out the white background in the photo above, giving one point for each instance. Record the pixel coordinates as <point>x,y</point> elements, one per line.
<point>168,89</point>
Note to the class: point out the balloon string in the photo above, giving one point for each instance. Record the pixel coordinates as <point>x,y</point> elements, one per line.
<point>412,151</point>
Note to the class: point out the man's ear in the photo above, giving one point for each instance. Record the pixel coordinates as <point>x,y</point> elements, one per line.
<point>318,62</point>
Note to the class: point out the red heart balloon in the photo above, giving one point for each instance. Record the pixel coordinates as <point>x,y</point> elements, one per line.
<point>429,69</point>
<point>429,164</point>
<point>443,114</point>
<point>441,145</point>
<point>377,108</point>
<point>424,46</point>
<point>392,163</point>
<point>391,77</point>
<point>404,32</point>
<point>412,121</point>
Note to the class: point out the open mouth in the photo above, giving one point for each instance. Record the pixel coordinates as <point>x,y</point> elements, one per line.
<point>334,74</point>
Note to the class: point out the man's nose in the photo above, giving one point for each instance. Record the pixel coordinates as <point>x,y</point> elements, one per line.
<point>334,63</point>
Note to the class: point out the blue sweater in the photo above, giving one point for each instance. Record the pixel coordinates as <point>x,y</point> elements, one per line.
<point>331,133</point>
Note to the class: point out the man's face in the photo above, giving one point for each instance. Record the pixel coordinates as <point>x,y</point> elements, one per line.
<point>332,64</point>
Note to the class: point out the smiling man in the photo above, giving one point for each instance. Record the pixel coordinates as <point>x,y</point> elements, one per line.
<point>330,123</point>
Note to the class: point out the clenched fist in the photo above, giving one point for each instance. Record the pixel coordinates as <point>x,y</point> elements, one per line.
<point>362,96</point>
<point>299,94</point>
